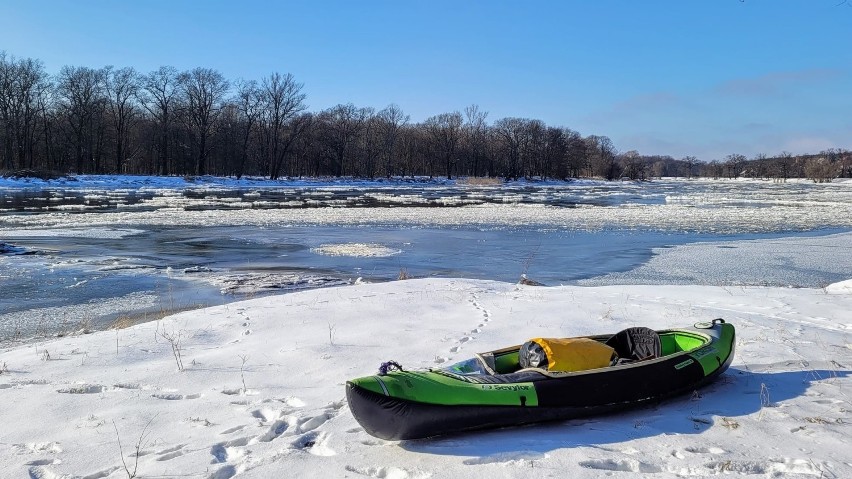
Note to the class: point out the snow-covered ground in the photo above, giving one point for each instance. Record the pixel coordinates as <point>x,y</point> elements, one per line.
<point>262,391</point>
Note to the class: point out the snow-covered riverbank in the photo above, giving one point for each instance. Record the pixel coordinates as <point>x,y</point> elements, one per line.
<point>261,394</point>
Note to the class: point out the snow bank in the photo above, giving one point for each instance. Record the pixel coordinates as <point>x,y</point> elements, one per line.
<point>262,391</point>
<point>842,287</point>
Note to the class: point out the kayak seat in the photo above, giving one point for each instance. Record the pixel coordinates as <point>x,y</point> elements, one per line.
<point>635,344</point>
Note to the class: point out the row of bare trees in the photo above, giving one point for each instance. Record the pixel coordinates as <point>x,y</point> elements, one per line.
<point>197,122</point>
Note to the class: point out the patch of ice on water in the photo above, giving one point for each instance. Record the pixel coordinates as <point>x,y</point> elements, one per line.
<point>253,283</point>
<point>96,232</point>
<point>359,250</point>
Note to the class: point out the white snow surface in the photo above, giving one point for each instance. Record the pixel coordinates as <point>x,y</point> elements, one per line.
<point>262,391</point>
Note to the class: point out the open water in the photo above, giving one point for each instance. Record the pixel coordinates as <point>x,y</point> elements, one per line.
<point>62,269</point>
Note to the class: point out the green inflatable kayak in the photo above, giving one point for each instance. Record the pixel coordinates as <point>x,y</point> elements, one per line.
<point>493,390</point>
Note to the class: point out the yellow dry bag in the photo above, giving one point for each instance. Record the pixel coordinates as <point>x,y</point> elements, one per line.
<point>569,354</point>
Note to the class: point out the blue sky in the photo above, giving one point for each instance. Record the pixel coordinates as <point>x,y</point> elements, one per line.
<point>678,77</point>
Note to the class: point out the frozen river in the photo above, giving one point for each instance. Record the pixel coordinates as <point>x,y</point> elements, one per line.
<point>84,253</point>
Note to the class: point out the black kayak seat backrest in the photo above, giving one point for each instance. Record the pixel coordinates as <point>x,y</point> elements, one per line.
<point>636,344</point>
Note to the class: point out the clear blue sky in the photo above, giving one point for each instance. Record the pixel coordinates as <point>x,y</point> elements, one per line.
<point>679,77</point>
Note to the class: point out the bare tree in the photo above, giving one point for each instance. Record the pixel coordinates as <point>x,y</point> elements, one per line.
<point>391,120</point>
<point>23,85</point>
<point>445,132</point>
<point>122,90</point>
<point>577,152</point>
<point>632,165</point>
<point>80,90</point>
<point>512,133</point>
<point>341,126</point>
<point>734,164</point>
<point>475,139</point>
<point>249,102</point>
<point>204,91</point>
<point>159,95</point>
<point>689,163</point>
<point>282,101</point>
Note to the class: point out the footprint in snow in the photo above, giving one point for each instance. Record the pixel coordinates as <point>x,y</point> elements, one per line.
<point>275,430</point>
<point>292,401</point>
<point>387,472</point>
<point>225,472</point>
<point>41,472</point>
<point>314,443</point>
<point>705,450</point>
<point>37,447</point>
<point>176,397</point>
<point>101,474</point>
<point>44,462</point>
<point>132,386</point>
<point>226,452</point>
<point>233,429</point>
<point>773,467</point>
<point>517,457</point>
<point>83,389</point>
<point>170,453</point>
<point>267,414</point>
<point>624,465</point>
<point>311,423</point>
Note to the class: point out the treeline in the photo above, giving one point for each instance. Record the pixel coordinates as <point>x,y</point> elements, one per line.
<point>197,122</point>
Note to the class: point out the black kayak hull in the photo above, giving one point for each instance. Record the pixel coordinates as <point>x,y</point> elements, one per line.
<point>557,398</point>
